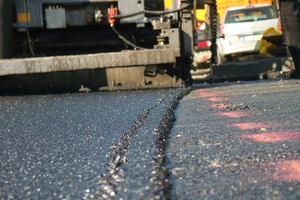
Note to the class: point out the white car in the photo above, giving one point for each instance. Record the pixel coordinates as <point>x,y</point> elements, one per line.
<point>243,26</point>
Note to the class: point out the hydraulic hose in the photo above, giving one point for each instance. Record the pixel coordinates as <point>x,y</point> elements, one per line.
<point>162,12</point>
<point>125,40</point>
<point>27,29</point>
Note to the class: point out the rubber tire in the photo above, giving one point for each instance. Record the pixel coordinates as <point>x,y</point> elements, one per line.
<point>6,29</point>
<point>290,21</point>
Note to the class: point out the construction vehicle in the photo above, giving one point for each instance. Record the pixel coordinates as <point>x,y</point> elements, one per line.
<point>115,43</point>
<point>141,43</point>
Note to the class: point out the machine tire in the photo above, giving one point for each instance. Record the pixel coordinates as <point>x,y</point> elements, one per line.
<point>213,16</point>
<point>6,29</point>
<point>290,21</point>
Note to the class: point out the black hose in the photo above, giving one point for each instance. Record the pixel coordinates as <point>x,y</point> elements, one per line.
<point>27,28</point>
<point>162,12</point>
<point>125,40</point>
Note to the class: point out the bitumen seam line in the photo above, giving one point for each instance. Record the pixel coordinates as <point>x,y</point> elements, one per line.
<point>110,183</point>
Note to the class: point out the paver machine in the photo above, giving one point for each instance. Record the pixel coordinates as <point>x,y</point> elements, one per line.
<point>142,43</point>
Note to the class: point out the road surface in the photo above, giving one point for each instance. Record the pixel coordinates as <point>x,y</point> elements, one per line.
<point>237,140</point>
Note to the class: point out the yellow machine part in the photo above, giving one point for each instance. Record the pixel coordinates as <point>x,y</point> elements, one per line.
<point>200,14</point>
<point>222,5</point>
<point>168,4</point>
<point>21,17</point>
<point>262,45</point>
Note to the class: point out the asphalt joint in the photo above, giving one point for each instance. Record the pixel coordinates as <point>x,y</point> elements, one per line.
<point>109,183</point>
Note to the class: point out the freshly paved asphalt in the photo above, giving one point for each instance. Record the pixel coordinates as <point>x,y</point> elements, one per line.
<point>237,141</point>
<point>222,141</point>
<point>70,146</point>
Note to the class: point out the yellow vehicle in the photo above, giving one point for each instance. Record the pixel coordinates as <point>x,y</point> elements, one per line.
<point>222,5</point>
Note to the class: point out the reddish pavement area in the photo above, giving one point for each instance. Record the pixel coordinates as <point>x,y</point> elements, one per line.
<point>237,141</point>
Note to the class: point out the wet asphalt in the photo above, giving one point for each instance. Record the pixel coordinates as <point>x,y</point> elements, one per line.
<point>222,141</point>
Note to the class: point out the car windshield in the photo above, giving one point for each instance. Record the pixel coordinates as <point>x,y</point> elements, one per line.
<point>251,14</point>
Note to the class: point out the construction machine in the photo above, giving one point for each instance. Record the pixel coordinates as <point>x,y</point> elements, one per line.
<point>108,44</point>
<point>132,43</point>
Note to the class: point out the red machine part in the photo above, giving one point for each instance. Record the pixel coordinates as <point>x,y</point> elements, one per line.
<point>279,25</point>
<point>112,11</point>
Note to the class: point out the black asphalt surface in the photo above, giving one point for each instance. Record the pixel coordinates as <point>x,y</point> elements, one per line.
<point>222,141</point>
<point>71,146</point>
<point>237,141</point>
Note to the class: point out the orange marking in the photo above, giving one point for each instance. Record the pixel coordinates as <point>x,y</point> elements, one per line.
<point>220,105</point>
<point>251,125</point>
<point>214,99</point>
<point>234,114</point>
<point>289,170</point>
<point>274,136</point>
<point>207,94</point>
